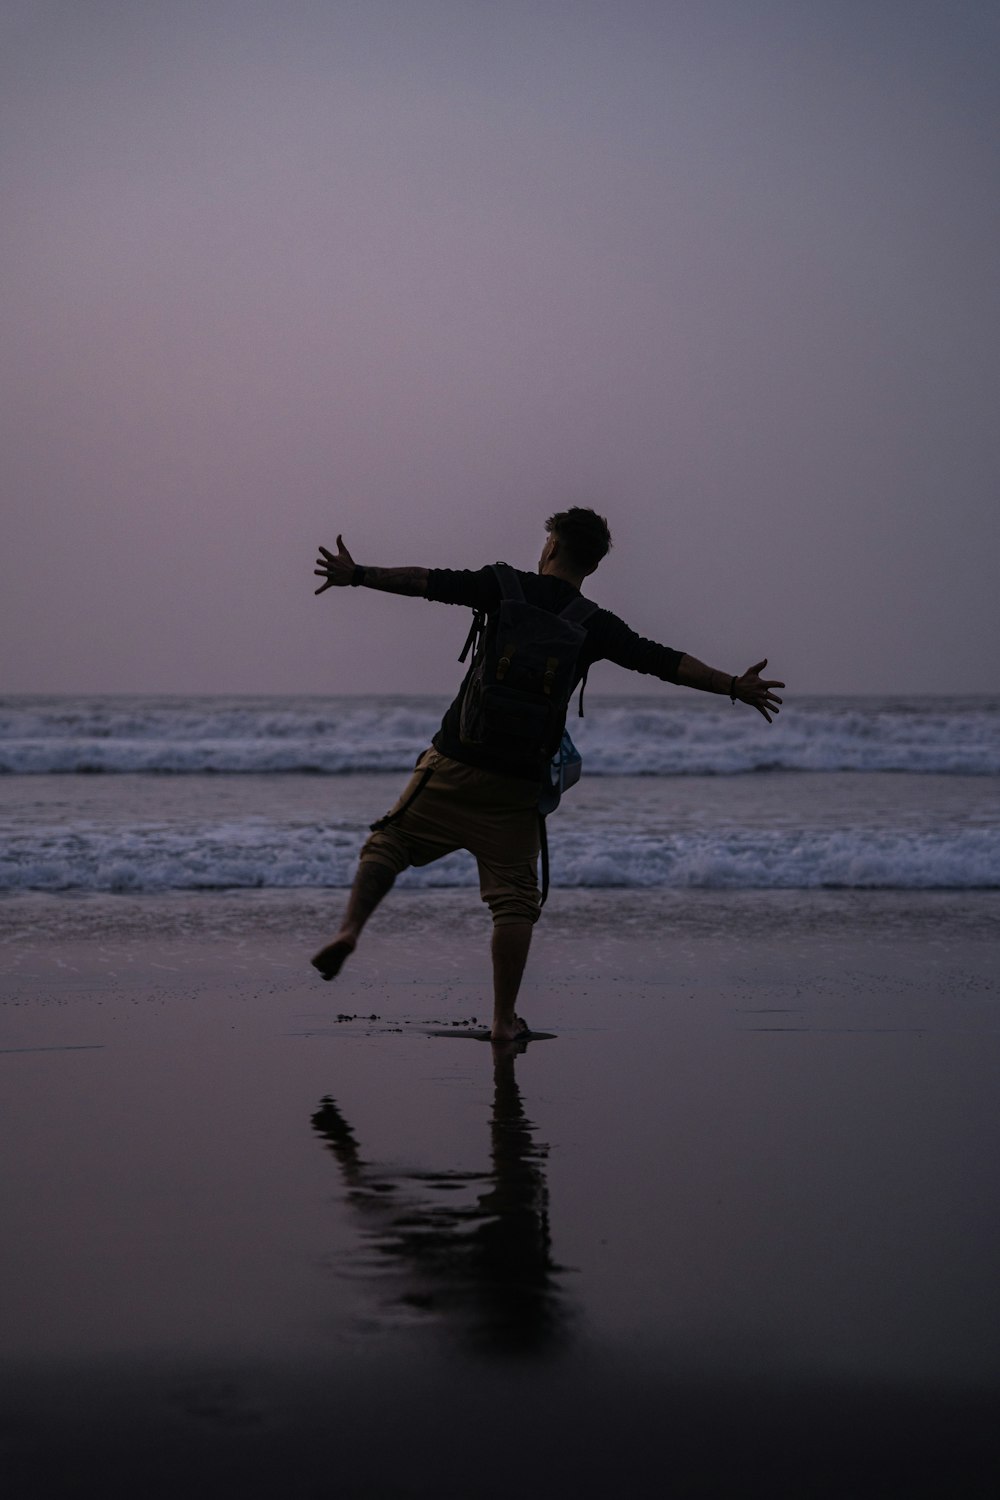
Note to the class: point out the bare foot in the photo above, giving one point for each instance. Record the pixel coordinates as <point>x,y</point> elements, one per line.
<point>517,1031</point>
<point>330,959</point>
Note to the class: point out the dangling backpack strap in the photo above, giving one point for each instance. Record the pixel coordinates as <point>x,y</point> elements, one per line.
<point>393,817</point>
<point>475,632</point>
<point>579,701</point>
<point>543,848</point>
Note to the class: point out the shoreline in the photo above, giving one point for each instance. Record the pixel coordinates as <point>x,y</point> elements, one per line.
<point>190,913</point>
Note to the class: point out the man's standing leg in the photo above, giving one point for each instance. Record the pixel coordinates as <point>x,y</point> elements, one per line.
<point>506,846</point>
<point>508,883</point>
<point>511,942</point>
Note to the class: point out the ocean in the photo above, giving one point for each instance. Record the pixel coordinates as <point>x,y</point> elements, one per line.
<point>683,792</point>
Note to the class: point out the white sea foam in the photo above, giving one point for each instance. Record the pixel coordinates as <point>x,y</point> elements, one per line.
<point>257,853</point>
<point>673,735</point>
<point>665,801</point>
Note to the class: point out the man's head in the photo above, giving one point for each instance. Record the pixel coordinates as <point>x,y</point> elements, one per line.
<point>578,539</point>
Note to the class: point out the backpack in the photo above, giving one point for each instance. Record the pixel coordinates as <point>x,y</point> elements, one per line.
<point>519,685</point>
<point>561,772</point>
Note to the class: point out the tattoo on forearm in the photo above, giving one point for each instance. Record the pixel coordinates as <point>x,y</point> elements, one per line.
<point>397,580</point>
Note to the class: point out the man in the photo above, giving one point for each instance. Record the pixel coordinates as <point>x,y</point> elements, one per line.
<point>466,796</point>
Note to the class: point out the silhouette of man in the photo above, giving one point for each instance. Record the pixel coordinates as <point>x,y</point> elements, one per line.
<point>463,797</point>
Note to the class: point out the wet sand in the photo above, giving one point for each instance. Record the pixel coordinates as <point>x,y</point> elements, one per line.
<point>734,1229</point>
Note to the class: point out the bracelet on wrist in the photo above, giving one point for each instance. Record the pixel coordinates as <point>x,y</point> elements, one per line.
<point>732,691</point>
<point>358,576</point>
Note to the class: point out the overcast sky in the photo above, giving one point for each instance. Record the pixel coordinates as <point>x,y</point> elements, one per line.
<point>423,271</point>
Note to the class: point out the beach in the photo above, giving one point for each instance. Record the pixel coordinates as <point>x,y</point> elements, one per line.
<point>734,1227</point>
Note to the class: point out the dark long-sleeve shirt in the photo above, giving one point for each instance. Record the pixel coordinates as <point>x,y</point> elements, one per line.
<point>608,639</point>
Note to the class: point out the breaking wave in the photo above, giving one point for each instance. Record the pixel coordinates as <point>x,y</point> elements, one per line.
<point>676,735</point>
<point>255,853</point>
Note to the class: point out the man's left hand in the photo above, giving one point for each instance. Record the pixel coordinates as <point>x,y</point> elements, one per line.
<point>753,689</point>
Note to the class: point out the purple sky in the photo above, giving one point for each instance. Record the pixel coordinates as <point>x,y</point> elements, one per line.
<point>425,270</point>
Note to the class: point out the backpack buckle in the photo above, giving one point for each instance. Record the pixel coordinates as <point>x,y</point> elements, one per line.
<point>503,665</point>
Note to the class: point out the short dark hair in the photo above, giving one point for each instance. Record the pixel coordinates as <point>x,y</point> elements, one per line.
<point>583,533</point>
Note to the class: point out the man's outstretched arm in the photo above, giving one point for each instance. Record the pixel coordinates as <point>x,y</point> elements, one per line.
<point>340,571</point>
<point>749,688</point>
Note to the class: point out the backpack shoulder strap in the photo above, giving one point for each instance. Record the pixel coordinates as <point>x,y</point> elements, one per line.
<point>579,610</point>
<point>510,588</point>
<point>510,584</point>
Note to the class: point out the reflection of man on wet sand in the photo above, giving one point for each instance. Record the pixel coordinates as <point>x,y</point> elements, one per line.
<point>482,795</point>
<point>486,1265</point>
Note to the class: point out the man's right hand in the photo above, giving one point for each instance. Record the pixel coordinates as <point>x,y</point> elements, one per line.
<point>338,571</point>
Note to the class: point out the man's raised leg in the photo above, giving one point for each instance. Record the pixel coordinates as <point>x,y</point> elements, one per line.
<point>511,941</point>
<point>372,881</point>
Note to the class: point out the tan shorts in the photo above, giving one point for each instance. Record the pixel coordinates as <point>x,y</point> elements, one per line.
<point>462,807</point>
